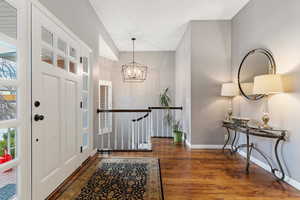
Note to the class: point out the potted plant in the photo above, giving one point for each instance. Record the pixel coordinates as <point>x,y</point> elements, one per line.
<point>165,101</point>
<point>178,133</point>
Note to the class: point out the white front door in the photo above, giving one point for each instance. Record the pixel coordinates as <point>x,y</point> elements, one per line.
<point>56,84</point>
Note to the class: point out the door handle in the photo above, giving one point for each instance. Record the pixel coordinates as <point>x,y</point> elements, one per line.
<point>38,117</point>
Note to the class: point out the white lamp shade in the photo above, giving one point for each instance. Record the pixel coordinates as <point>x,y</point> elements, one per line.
<point>247,88</point>
<point>229,90</point>
<point>268,84</point>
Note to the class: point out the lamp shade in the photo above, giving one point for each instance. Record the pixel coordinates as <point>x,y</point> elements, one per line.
<point>229,90</point>
<point>268,84</point>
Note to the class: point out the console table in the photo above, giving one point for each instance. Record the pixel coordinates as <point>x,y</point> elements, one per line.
<point>276,134</point>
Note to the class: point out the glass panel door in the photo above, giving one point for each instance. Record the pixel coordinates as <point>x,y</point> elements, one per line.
<point>85,102</point>
<point>9,101</point>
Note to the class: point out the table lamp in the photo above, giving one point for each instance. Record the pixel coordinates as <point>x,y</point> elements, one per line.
<point>229,90</point>
<point>267,85</point>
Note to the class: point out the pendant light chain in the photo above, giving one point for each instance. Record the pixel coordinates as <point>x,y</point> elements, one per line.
<point>133,39</point>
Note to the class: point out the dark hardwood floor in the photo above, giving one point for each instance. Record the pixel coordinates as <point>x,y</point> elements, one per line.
<point>201,175</point>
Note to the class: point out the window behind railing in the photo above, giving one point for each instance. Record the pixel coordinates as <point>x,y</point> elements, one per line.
<point>105,103</point>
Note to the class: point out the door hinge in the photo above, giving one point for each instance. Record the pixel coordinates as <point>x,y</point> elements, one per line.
<point>80,104</point>
<point>81,149</point>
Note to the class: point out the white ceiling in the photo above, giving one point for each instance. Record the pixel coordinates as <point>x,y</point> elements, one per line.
<point>158,24</point>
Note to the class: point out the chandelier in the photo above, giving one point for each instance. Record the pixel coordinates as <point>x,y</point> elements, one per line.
<point>133,71</point>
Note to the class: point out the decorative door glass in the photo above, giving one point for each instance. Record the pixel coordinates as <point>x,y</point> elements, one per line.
<point>9,103</point>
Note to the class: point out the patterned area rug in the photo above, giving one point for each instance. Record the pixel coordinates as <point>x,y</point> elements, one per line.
<point>124,179</point>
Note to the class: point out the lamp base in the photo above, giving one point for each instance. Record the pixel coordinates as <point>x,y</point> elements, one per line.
<point>229,114</point>
<point>265,118</point>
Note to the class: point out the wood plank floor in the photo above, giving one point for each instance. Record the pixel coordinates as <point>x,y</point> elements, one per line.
<point>202,175</point>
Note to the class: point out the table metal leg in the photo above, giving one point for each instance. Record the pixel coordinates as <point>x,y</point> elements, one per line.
<point>232,143</point>
<point>278,161</point>
<point>228,138</point>
<point>248,154</point>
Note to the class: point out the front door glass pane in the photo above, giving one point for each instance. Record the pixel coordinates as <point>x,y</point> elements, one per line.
<point>61,62</point>
<point>8,103</point>
<point>8,144</point>
<point>47,36</point>
<point>62,45</point>
<point>8,184</point>
<point>8,61</point>
<point>47,56</point>
<point>8,19</point>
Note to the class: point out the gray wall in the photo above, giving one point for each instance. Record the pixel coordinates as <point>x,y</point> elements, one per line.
<point>273,24</point>
<point>183,80</point>
<point>105,71</point>
<point>211,66</point>
<point>203,63</point>
<point>80,17</point>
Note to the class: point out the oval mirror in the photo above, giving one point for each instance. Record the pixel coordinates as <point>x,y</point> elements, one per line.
<point>256,62</point>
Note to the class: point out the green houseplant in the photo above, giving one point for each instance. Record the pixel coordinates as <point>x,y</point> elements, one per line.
<point>165,101</point>
<point>178,133</point>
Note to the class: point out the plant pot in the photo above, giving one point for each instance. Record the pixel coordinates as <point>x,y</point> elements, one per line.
<point>178,137</point>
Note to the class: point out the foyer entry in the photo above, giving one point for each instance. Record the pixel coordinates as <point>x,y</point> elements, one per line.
<point>59,107</point>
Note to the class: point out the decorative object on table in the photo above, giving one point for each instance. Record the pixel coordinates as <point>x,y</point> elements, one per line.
<point>241,121</point>
<point>229,90</point>
<point>256,62</point>
<point>178,133</point>
<point>124,178</point>
<point>267,85</point>
<point>252,123</point>
<point>165,101</point>
<point>133,71</point>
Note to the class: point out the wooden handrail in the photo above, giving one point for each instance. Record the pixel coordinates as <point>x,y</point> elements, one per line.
<point>166,108</point>
<point>138,110</point>
<point>123,110</point>
<point>139,119</point>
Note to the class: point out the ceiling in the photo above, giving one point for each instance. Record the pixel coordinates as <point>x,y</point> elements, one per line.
<point>158,24</point>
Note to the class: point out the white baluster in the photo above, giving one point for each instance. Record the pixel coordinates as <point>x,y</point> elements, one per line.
<point>133,133</point>
<point>172,124</point>
<point>142,136</point>
<point>116,132</point>
<point>138,135</point>
<point>162,133</point>
<point>156,122</point>
<point>129,132</point>
<point>102,138</point>
<point>122,135</point>
<point>152,128</point>
<point>168,125</point>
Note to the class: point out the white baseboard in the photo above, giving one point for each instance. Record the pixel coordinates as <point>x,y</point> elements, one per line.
<point>206,146</point>
<point>266,167</point>
<point>93,152</point>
